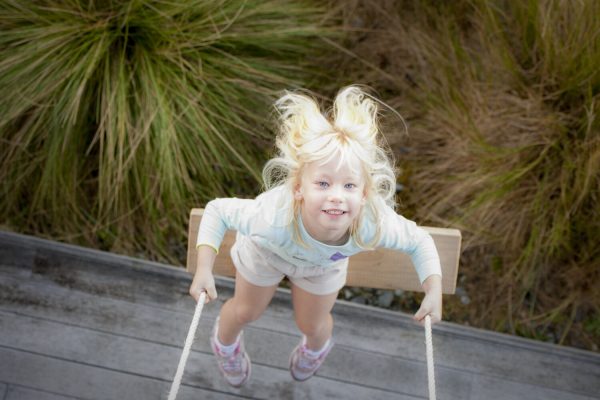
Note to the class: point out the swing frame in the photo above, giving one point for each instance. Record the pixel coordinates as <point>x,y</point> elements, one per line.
<point>380,268</point>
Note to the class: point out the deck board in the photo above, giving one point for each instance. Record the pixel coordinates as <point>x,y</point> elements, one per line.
<point>25,393</point>
<point>80,318</point>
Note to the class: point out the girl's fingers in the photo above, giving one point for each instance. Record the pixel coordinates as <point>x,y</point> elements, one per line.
<point>422,313</point>
<point>420,316</point>
<point>211,294</point>
<point>204,284</point>
<point>195,293</point>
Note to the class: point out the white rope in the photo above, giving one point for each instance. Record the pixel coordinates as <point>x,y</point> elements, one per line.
<point>187,347</point>
<point>194,326</point>
<point>429,351</point>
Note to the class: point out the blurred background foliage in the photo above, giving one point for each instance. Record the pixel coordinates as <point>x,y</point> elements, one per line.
<point>122,115</point>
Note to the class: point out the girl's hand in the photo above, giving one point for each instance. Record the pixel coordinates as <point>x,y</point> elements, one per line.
<point>432,303</point>
<point>204,280</point>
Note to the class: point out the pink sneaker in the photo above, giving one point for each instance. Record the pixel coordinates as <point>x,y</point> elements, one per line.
<point>234,367</point>
<point>302,364</point>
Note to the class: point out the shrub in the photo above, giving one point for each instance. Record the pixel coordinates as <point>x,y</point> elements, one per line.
<point>118,117</point>
<point>502,99</point>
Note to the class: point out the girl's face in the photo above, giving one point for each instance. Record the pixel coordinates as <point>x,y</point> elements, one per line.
<point>331,198</point>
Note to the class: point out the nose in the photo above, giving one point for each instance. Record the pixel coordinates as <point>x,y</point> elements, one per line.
<point>335,194</point>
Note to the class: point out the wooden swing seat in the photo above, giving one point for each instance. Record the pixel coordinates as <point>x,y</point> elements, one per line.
<point>380,269</point>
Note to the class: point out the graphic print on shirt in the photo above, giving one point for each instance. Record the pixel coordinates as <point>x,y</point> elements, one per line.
<point>337,256</point>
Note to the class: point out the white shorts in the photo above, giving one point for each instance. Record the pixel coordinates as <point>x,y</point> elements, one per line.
<point>262,267</point>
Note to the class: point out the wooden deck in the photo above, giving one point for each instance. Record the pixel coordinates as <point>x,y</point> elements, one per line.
<point>81,324</point>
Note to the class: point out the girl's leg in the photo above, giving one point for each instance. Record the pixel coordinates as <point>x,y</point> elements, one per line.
<point>248,303</point>
<point>313,316</point>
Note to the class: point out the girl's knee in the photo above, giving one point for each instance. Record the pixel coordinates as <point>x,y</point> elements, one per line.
<point>245,314</point>
<point>313,326</point>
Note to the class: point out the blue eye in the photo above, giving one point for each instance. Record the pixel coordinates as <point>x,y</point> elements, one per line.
<point>350,185</point>
<point>323,184</point>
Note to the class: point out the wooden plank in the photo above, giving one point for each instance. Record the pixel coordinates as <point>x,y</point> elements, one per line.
<point>83,265</point>
<point>467,347</point>
<point>169,327</point>
<point>116,353</point>
<point>87,381</point>
<point>382,268</point>
<point>144,358</point>
<point>265,346</point>
<point>492,389</point>
<point>25,393</point>
<point>479,354</point>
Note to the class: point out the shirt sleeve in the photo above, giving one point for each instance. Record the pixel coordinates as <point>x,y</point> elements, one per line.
<point>223,214</point>
<point>404,235</point>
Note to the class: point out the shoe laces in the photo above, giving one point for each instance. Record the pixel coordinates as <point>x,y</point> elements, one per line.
<point>305,361</point>
<point>233,363</point>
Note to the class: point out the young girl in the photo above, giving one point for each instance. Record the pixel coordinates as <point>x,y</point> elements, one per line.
<point>330,194</point>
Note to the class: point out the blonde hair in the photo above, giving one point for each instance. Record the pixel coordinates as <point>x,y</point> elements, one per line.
<point>351,126</point>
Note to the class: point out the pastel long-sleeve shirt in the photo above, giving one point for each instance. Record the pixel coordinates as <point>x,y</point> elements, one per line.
<point>266,220</point>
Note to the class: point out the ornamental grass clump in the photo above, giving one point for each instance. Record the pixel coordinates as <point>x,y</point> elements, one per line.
<point>503,105</point>
<point>118,117</point>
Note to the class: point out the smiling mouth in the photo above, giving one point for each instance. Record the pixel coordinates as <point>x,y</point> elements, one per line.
<point>334,212</point>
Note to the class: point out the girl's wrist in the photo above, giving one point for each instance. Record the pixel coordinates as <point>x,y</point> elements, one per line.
<point>432,284</point>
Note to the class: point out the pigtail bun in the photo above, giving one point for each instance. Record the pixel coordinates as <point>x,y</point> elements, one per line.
<point>301,121</point>
<point>356,115</point>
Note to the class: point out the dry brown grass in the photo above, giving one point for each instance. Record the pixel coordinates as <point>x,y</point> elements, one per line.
<point>504,142</point>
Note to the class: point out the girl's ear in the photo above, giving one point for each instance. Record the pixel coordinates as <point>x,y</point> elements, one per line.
<point>363,201</point>
<point>298,192</point>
